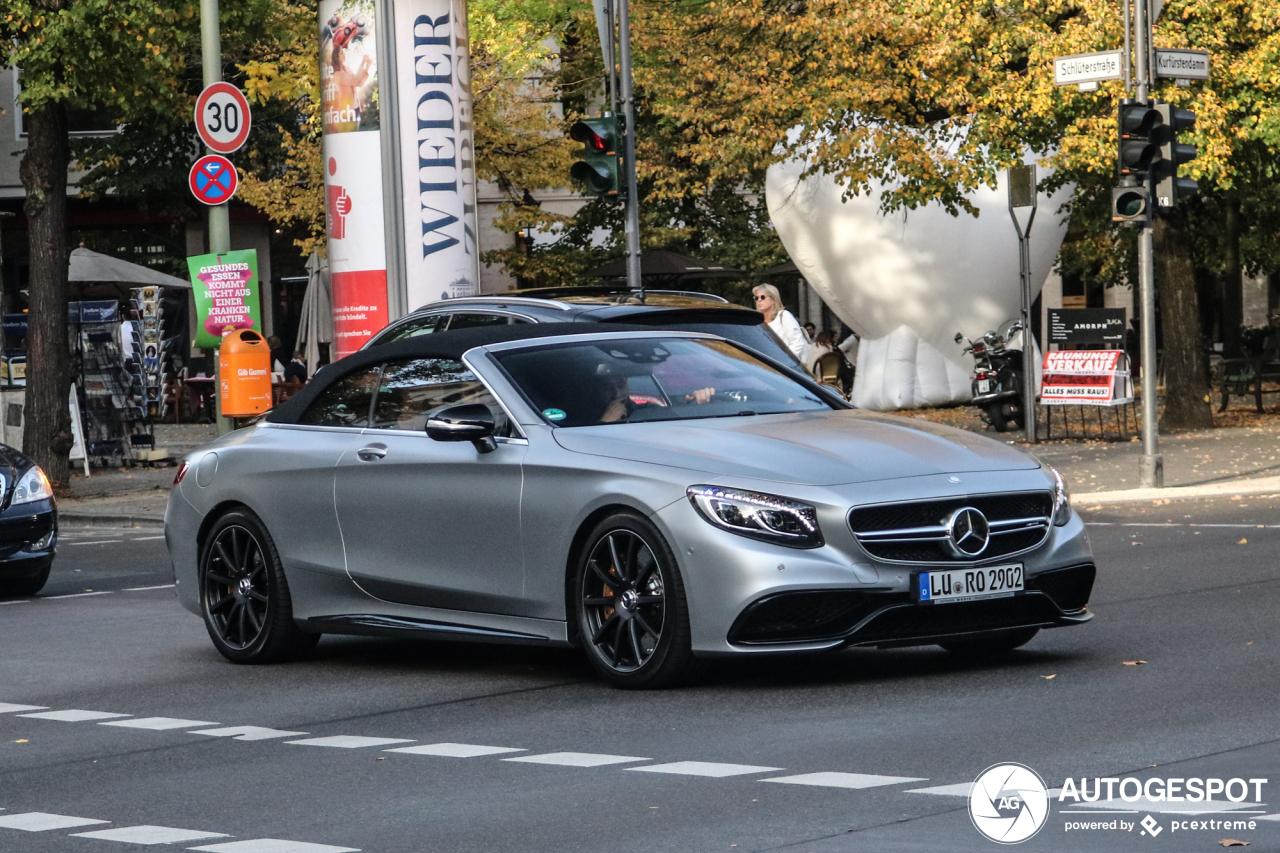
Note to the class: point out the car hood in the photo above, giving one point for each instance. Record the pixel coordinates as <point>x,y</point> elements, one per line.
<point>811,448</point>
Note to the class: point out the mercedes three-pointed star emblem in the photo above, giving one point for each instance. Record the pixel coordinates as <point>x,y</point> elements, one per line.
<point>968,532</point>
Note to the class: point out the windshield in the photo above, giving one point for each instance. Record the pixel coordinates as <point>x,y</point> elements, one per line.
<point>652,379</point>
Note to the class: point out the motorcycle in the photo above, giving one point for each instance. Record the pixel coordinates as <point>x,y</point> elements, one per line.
<point>997,378</point>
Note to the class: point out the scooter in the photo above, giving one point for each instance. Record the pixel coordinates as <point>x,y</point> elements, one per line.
<point>997,378</point>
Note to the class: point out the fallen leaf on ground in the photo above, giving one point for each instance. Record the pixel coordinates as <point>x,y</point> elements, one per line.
<point>1047,677</point>
<point>1135,543</point>
<point>1231,842</point>
<point>1243,542</point>
<point>21,740</point>
<point>1134,662</point>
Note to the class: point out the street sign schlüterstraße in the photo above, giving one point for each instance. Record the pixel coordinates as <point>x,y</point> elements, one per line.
<point>1087,68</point>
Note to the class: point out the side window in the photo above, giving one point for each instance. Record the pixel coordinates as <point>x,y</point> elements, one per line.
<point>413,327</point>
<point>474,321</point>
<point>411,391</point>
<point>345,403</point>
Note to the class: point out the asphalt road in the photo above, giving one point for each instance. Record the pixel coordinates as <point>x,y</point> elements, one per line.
<point>725,766</point>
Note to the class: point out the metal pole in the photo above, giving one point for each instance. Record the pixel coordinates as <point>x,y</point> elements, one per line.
<point>392,173</point>
<point>1128,49</point>
<point>1028,340</point>
<point>629,151</point>
<point>1151,466</point>
<point>219,221</point>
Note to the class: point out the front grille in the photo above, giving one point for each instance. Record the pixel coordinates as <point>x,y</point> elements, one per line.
<point>915,532</point>
<point>938,620</point>
<point>1069,588</point>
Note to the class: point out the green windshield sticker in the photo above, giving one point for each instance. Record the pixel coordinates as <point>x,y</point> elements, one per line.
<point>554,414</point>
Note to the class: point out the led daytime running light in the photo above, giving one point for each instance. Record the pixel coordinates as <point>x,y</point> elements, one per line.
<point>758,516</point>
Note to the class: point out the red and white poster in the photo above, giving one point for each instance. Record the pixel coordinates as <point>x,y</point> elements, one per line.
<point>353,172</point>
<point>1086,378</point>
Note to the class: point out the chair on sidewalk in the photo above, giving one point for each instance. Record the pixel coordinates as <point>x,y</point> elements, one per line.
<point>828,368</point>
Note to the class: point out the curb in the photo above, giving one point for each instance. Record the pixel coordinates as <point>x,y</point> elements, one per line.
<point>93,519</point>
<point>1260,486</point>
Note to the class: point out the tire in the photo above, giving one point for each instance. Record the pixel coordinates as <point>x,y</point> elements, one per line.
<point>244,596</point>
<point>997,644</point>
<point>995,417</point>
<point>21,587</point>
<point>644,641</point>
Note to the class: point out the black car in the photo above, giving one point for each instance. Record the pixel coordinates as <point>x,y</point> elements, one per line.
<point>666,309</point>
<point>28,525</point>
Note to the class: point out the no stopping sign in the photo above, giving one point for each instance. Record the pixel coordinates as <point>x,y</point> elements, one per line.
<point>213,179</point>
<point>222,117</point>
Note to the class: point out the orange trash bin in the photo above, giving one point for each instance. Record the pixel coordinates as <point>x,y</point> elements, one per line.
<point>244,374</point>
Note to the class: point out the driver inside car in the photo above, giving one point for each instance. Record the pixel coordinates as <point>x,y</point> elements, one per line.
<point>620,406</point>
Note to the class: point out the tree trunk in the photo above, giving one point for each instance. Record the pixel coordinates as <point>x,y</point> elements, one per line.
<point>1186,386</point>
<point>1232,282</point>
<point>47,434</point>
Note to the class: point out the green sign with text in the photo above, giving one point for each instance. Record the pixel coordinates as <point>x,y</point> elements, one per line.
<point>226,293</point>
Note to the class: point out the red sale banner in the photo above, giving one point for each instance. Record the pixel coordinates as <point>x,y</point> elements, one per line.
<point>1086,377</point>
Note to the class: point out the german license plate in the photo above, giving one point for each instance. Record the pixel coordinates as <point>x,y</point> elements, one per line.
<point>951,585</point>
<point>984,385</point>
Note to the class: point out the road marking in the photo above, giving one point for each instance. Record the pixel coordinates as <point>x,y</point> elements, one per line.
<point>454,750</point>
<point>97,542</point>
<point>248,733</point>
<point>149,835</point>
<point>149,588</point>
<point>273,845</point>
<point>960,790</point>
<point>843,780</point>
<point>1269,817</point>
<point>74,715</point>
<point>6,708</point>
<point>19,601</point>
<point>703,768</point>
<point>576,759</point>
<point>75,595</point>
<point>159,724</point>
<point>146,538</point>
<point>43,822</point>
<point>349,741</point>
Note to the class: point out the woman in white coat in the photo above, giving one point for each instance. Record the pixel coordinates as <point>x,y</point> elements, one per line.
<point>781,321</point>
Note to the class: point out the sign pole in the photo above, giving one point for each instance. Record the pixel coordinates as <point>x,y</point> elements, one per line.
<point>1022,193</point>
<point>219,221</point>
<point>634,280</point>
<point>1151,466</point>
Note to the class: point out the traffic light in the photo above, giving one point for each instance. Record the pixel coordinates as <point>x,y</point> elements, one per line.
<point>1130,205</point>
<point>598,168</point>
<point>1169,187</point>
<point>1139,142</point>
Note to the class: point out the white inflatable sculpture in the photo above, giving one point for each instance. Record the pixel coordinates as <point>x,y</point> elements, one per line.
<point>909,281</point>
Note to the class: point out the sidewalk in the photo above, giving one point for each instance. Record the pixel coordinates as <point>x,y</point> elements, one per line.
<point>1222,462</point>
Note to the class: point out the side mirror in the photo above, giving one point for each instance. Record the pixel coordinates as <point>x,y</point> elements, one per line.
<point>471,422</point>
<point>959,337</point>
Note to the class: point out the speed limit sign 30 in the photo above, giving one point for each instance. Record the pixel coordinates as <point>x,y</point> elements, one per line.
<point>222,117</point>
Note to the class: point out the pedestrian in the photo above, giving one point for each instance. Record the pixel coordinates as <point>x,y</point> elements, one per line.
<point>279,355</point>
<point>781,321</point>
<point>296,370</point>
<point>824,343</point>
<point>810,332</point>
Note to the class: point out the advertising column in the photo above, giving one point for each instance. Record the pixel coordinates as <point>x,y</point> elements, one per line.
<point>353,171</point>
<point>437,151</point>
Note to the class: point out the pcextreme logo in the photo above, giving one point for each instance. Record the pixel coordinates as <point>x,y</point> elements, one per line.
<point>1008,803</point>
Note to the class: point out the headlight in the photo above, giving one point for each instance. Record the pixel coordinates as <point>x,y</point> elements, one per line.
<point>768,518</point>
<point>32,486</point>
<point>1061,499</point>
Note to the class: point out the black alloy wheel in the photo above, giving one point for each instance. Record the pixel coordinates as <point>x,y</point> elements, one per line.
<point>245,598</point>
<point>632,616</point>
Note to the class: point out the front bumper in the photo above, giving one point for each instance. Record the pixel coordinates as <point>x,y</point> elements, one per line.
<point>28,538</point>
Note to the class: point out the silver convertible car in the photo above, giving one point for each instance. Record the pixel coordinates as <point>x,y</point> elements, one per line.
<point>656,498</point>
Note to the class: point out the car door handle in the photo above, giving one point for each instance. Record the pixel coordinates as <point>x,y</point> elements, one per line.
<point>372,453</point>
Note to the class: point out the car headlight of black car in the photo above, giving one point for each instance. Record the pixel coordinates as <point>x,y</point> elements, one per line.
<point>756,515</point>
<point>32,486</point>
<point>1061,499</point>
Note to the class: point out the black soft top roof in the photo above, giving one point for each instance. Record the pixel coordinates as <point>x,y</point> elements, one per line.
<point>440,345</point>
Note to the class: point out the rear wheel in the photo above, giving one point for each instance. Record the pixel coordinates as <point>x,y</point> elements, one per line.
<point>995,417</point>
<point>631,610</point>
<point>994,645</point>
<point>244,595</point>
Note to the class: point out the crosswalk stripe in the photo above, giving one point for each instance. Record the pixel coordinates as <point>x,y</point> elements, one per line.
<point>576,759</point>
<point>843,780</point>
<point>248,733</point>
<point>960,789</point>
<point>703,768</point>
<point>76,595</point>
<point>273,845</point>
<point>74,715</point>
<point>454,750</point>
<point>349,741</point>
<point>43,821</point>
<point>6,708</point>
<point>149,834</point>
<point>158,724</point>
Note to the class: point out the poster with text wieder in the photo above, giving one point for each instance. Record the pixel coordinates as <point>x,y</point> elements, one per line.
<point>226,294</point>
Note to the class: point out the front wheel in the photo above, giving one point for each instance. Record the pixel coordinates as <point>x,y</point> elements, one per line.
<point>244,595</point>
<point>994,645</point>
<point>630,605</point>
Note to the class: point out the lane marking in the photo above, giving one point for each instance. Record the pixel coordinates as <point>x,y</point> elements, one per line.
<point>43,821</point>
<point>146,538</point>
<point>349,741</point>
<point>74,715</point>
<point>703,768</point>
<point>19,601</point>
<point>273,845</point>
<point>248,733</point>
<point>960,790</point>
<point>75,595</point>
<point>159,724</point>
<point>455,750</point>
<point>149,588</point>
<point>6,708</point>
<point>844,780</point>
<point>1269,817</point>
<point>577,759</point>
<point>98,542</point>
<point>149,835</point>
